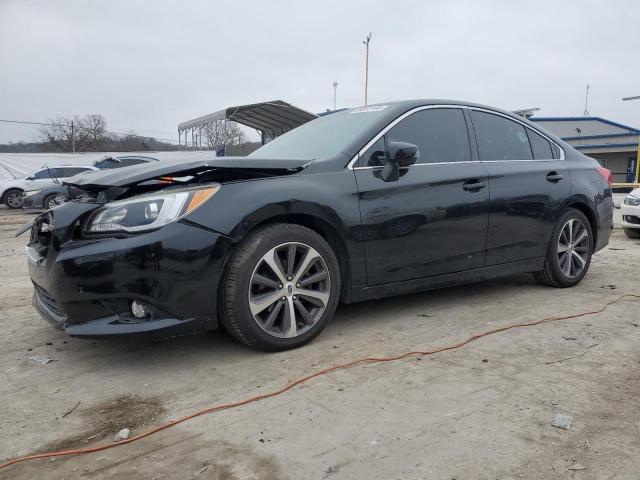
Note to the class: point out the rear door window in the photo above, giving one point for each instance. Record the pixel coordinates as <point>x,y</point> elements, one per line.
<point>500,138</point>
<point>59,172</point>
<point>126,162</point>
<point>71,171</point>
<point>107,163</point>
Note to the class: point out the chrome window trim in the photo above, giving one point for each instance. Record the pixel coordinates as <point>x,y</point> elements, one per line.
<point>382,132</point>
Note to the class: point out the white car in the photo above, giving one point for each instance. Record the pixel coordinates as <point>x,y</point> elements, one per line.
<point>11,191</point>
<point>631,214</point>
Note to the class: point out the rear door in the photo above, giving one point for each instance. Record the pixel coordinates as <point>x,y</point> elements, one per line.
<point>528,183</point>
<point>433,219</point>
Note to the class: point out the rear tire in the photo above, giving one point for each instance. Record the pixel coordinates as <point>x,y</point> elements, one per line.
<point>13,198</point>
<point>281,288</point>
<point>569,251</point>
<point>632,233</point>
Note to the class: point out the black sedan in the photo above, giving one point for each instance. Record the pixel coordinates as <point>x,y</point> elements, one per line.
<point>364,203</point>
<point>51,196</point>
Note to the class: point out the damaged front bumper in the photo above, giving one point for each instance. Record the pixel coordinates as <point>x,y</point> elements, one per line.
<point>86,286</point>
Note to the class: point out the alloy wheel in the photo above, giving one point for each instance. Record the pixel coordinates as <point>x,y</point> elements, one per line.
<point>573,248</point>
<point>289,290</point>
<point>51,204</point>
<point>14,199</point>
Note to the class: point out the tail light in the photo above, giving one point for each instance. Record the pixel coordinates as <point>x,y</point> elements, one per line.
<point>606,175</point>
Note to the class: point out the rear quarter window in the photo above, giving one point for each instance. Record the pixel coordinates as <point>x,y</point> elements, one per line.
<point>540,146</point>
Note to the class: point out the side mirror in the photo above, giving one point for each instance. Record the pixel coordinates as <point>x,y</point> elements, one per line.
<point>401,155</point>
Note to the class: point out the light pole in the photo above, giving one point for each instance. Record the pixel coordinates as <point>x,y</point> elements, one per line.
<point>636,180</point>
<point>586,102</point>
<point>335,93</point>
<point>366,67</point>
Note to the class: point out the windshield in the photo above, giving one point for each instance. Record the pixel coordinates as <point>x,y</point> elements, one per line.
<point>323,137</point>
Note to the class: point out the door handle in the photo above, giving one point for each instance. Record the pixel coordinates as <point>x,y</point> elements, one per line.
<point>473,185</point>
<point>554,177</point>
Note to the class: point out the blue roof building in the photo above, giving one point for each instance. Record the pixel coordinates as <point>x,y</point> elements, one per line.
<point>613,144</point>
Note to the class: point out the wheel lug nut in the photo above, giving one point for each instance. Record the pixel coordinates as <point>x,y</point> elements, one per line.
<point>297,285</point>
<point>279,285</point>
<point>289,278</point>
<point>283,298</point>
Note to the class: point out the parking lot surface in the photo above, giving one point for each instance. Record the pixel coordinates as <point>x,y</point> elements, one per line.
<point>484,411</point>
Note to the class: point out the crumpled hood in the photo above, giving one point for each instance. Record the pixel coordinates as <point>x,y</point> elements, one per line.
<point>129,176</point>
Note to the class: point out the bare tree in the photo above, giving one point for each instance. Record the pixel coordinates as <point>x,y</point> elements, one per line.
<point>132,142</point>
<point>224,133</point>
<point>88,133</point>
<point>94,128</point>
<point>57,134</point>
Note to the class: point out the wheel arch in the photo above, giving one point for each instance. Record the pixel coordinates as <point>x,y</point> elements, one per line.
<point>327,231</point>
<point>10,189</point>
<point>582,204</point>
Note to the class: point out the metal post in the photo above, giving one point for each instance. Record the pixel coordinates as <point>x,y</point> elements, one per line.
<point>637,179</point>
<point>335,92</point>
<point>586,102</point>
<point>366,67</point>
<point>73,137</point>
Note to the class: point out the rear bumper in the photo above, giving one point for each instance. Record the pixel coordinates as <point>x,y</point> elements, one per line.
<point>604,212</point>
<point>86,287</point>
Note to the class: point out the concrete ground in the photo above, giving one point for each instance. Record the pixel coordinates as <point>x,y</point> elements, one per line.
<point>480,412</point>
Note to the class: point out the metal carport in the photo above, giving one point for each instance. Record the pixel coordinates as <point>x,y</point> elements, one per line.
<point>270,119</point>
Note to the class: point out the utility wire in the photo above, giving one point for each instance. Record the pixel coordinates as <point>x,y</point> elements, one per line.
<point>69,126</point>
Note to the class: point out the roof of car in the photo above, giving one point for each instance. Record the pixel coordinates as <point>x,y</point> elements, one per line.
<point>406,105</point>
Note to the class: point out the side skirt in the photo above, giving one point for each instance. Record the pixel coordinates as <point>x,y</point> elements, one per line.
<point>360,293</point>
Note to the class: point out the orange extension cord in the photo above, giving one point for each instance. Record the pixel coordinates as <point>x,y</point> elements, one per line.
<point>306,378</point>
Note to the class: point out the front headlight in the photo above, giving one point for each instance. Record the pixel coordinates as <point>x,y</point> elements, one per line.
<point>147,212</point>
<point>632,200</point>
<point>29,193</point>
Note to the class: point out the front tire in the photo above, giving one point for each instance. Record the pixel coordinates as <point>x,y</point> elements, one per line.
<point>569,251</point>
<point>632,233</point>
<point>13,198</point>
<point>281,288</point>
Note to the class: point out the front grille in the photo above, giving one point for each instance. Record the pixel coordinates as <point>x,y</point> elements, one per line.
<point>49,302</point>
<point>631,219</point>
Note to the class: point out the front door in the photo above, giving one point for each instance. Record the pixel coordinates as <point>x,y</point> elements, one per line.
<point>433,219</point>
<point>528,187</point>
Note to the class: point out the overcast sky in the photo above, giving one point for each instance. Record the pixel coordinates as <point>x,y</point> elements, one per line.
<point>148,65</point>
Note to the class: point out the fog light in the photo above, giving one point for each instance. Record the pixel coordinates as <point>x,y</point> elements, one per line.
<point>139,309</point>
